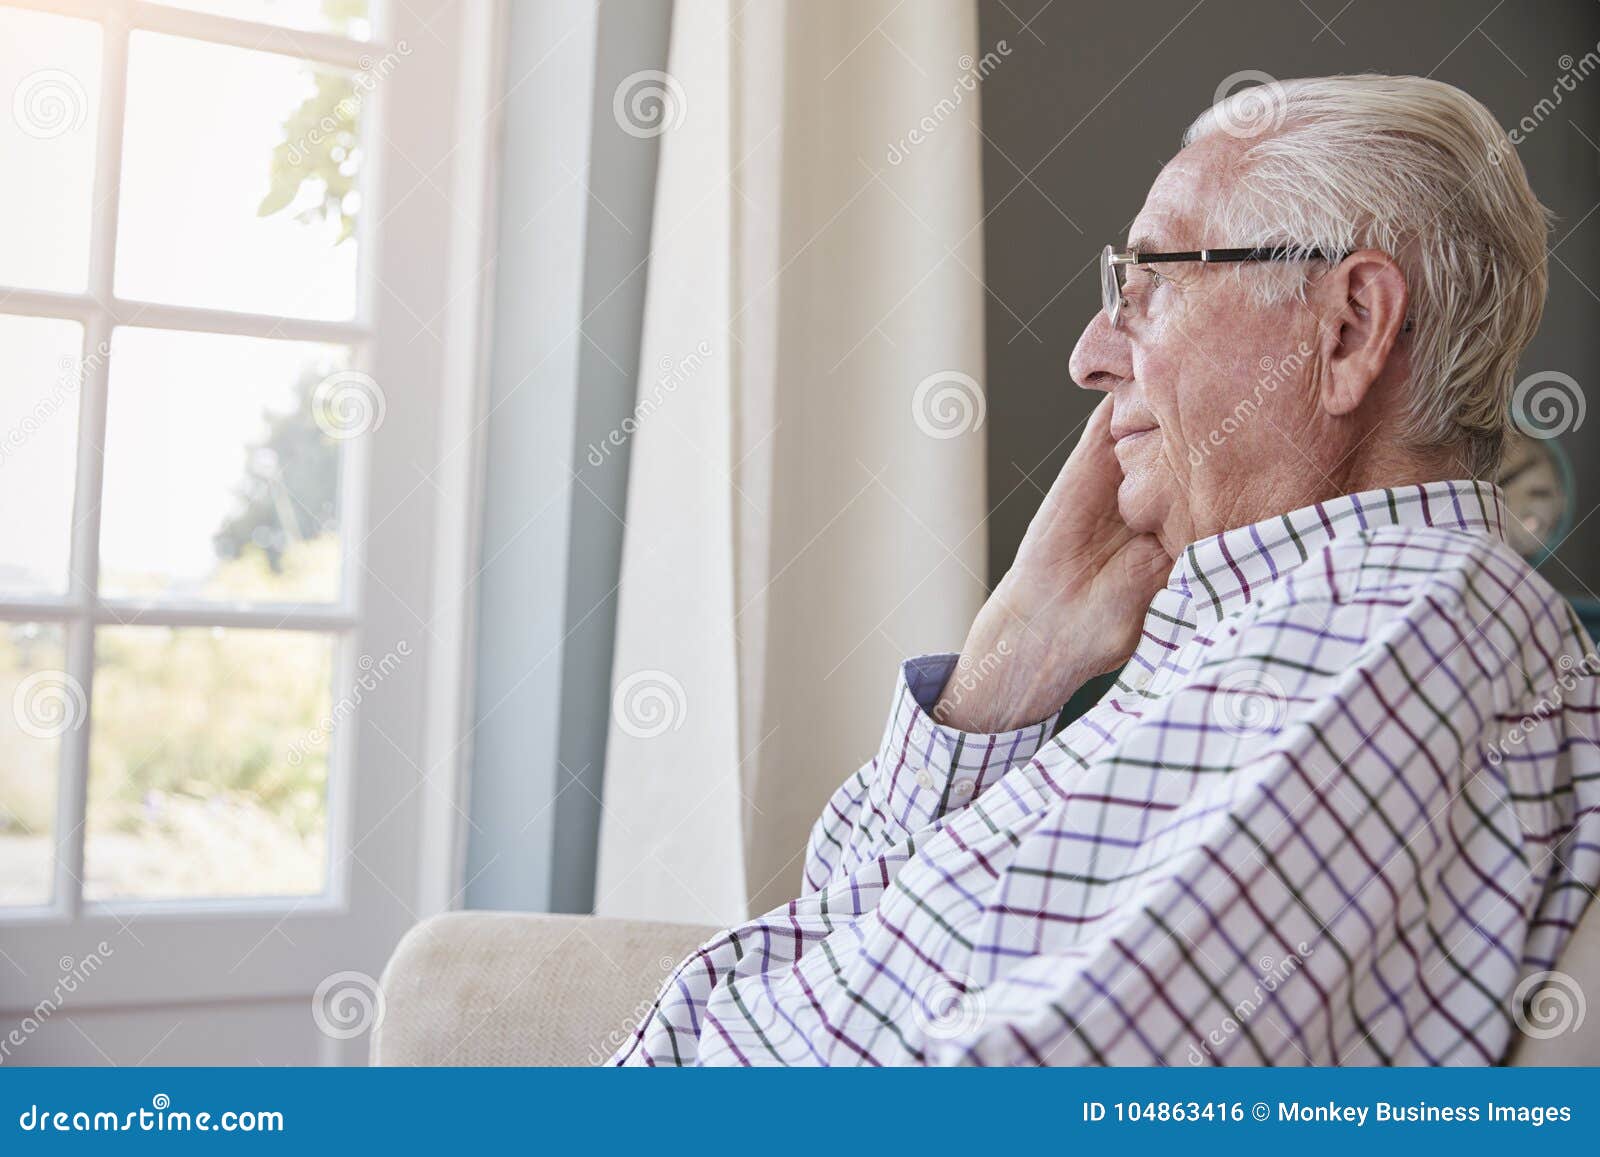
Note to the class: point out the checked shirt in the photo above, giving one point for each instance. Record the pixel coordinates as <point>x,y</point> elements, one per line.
<point>1342,806</point>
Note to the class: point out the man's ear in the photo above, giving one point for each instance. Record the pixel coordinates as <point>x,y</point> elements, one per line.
<point>1364,302</point>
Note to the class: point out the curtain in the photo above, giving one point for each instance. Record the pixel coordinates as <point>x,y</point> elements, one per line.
<point>806,457</point>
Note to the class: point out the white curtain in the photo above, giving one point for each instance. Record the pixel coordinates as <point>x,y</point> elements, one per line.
<point>806,492</point>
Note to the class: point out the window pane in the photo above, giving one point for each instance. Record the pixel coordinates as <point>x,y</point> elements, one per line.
<point>222,465</point>
<point>42,703</point>
<point>40,376</point>
<point>208,763</point>
<point>50,72</point>
<point>344,17</point>
<point>238,180</point>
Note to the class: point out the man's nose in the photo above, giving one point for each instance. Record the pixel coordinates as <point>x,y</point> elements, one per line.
<point>1102,359</point>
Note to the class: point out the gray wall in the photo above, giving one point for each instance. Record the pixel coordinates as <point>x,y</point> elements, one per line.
<point>1090,103</point>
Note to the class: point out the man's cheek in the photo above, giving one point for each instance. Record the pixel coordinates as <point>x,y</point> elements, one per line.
<point>1182,436</point>
<point>1177,465</point>
<point>1181,463</point>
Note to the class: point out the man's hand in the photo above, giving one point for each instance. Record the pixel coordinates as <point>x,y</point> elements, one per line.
<point>1071,605</point>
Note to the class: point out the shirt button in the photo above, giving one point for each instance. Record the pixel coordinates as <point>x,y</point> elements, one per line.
<point>1142,680</point>
<point>924,779</point>
<point>963,787</point>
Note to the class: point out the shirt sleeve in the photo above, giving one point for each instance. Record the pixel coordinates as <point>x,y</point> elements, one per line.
<point>922,772</point>
<point>1362,885</point>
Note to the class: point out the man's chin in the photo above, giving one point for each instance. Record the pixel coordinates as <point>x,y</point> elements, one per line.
<point>1142,500</point>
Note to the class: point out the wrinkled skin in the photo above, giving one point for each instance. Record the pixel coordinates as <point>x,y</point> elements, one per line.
<point>1218,412</point>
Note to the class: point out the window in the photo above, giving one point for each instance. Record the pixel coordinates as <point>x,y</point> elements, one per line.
<point>222,327</point>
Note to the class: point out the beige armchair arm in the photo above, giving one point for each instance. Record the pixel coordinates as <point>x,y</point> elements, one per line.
<point>502,988</point>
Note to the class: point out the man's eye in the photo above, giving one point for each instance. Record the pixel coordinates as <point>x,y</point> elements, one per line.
<point>1142,280</point>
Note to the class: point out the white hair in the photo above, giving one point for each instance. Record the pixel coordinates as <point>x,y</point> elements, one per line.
<point>1424,172</point>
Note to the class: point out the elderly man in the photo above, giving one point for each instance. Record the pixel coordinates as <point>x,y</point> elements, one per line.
<point>1342,804</point>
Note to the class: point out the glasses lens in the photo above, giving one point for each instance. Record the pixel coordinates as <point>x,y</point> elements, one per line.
<point>1110,286</point>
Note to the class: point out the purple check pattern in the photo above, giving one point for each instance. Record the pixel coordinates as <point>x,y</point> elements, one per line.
<point>1341,802</point>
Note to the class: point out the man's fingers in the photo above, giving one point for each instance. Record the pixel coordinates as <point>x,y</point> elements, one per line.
<point>1095,444</point>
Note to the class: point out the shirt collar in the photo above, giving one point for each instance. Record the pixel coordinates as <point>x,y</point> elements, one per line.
<point>1222,573</point>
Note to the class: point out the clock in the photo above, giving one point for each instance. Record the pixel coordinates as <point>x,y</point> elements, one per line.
<point>1536,478</point>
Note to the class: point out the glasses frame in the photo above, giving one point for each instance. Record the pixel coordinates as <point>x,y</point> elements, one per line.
<point>1113,261</point>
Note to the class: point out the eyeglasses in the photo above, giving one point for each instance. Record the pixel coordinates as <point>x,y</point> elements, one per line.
<point>1114,266</point>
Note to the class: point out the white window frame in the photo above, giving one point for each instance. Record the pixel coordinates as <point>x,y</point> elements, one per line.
<point>396,773</point>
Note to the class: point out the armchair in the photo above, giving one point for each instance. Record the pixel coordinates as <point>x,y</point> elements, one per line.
<point>502,988</point>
